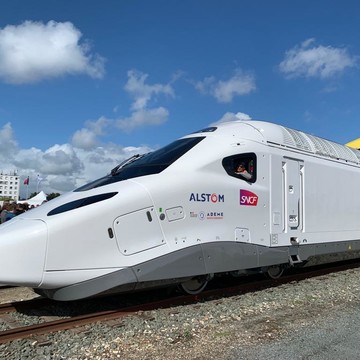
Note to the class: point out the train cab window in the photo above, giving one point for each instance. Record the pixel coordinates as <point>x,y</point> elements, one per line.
<point>242,166</point>
<point>147,164</point>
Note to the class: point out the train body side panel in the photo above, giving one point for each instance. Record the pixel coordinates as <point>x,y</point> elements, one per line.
<point>328,200</point>
<point>206,207</point>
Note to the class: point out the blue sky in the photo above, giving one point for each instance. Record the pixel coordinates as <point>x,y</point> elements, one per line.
<point>85,84</point>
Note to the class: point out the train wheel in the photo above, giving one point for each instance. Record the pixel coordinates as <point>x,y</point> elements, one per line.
<point>194,286</point>
<point>275,271</point>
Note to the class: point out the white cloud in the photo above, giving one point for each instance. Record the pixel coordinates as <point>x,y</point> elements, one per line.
<point>87,137</point>
<point>225,90</point>
<point>310,60</point>
<point>229,116</point>
<point>143,117</point>
<point>84,139</point>
<point>33,51</point>
<point>141,114</point>
<point>143,93</point>
<point>8,144</point>
<point>60,159</point>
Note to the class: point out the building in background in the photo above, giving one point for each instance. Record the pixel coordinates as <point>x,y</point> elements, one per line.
<point>9,186</point>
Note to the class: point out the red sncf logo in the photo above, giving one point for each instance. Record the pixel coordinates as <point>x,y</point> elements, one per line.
<point>248,198</point>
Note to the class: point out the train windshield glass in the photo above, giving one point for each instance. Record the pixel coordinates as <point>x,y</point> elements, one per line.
<point>147,164</point>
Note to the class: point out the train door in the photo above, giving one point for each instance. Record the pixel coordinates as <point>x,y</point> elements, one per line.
<point>293,183</point>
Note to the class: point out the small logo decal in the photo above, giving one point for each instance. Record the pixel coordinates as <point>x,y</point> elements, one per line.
<point>203,197</point>
<point>248,198</point>
<point>215,215</point>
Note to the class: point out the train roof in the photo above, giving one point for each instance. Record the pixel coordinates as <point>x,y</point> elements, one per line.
<point>278,135</point>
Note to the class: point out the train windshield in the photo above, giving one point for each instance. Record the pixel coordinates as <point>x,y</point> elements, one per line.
<point>147,164</point>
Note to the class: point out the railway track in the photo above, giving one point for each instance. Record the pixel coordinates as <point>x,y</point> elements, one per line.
<point>251,284</point>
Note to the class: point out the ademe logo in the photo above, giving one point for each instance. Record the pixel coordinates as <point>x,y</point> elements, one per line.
<point>248,198</point>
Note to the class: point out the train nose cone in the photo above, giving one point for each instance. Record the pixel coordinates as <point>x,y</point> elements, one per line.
<point>22,252</point>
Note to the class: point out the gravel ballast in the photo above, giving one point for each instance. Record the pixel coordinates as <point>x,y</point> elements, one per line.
<point>312,319</point>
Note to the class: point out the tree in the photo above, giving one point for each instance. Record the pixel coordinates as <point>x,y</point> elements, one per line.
<point>52,196</point>
<point>32,195</point>
<point>6,198</point>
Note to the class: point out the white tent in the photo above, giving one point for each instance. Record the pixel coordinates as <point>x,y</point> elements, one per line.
<point>36,200</point>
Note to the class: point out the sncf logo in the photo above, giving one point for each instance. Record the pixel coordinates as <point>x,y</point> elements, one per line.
<point>248,198</point>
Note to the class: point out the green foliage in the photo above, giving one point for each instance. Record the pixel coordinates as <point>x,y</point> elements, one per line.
<point>6,198</point>
<point>48,197</point>
<point>32,195</point>
<point>52,196</point>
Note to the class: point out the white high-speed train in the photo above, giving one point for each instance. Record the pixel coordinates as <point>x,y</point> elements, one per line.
<point>183,214</point>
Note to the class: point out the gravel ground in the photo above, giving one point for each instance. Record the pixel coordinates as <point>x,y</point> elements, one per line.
<point>317,318</point>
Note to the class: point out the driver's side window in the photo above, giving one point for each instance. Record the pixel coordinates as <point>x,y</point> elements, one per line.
<point>242,166</point>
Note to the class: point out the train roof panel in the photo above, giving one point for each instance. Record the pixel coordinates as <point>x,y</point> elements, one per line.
<point>285,137</point>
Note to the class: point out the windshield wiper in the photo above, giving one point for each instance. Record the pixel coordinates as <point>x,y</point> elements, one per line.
<point>133,158</point>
